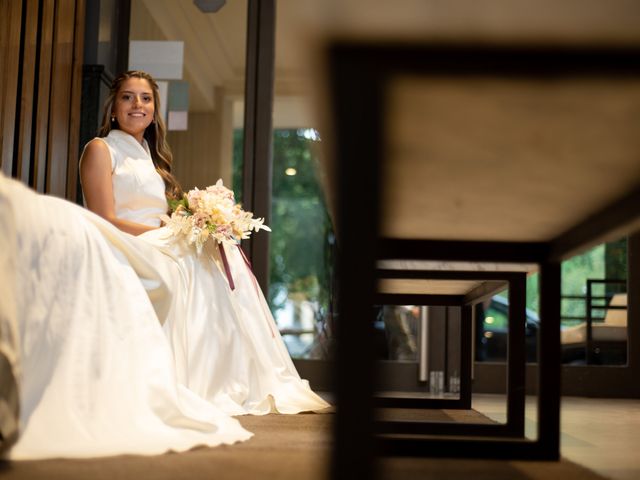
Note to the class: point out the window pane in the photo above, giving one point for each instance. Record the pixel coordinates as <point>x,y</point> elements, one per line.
<point>593,290</point>
<point>301,242</point>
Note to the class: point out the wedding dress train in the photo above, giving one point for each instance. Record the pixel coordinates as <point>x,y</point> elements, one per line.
<point>130,344</point>
<point>94,369</point>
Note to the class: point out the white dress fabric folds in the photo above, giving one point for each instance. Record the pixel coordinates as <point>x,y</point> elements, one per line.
<point>225,343</point>
<point>9,340</point>
<point>132,345</point>
<point>95,371</point>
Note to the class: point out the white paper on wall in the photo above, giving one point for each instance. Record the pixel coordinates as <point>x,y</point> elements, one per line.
<point>178,120</point>
<point>161,59</point>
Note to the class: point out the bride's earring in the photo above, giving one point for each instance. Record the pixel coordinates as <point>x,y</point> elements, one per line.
<point>113,118</point>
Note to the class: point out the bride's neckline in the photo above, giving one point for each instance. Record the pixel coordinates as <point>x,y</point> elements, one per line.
<point>126,137</point>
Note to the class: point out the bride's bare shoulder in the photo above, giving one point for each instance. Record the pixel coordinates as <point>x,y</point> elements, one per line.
<point>96,146</point>
<point>96,151</point>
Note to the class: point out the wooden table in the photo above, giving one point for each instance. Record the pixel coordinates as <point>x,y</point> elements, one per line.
<point>461,285</point>
<point>475,154</point>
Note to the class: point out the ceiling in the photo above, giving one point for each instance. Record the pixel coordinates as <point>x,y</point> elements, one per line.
<point>214,44</point>
<point>214,55</point>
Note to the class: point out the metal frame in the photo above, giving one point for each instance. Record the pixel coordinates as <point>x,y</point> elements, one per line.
<point>257,148</point>
<point>494,282</point>
<point>611,381</point>
<point>589,344</point>
<point>358,78</point>
<point>464,399</point>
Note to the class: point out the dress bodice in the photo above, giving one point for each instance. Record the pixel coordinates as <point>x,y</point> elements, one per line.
<point>138,189</point>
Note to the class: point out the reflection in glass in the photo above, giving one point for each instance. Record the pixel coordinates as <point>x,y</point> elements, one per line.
<point>418,349</point>
<point>401,331</point>
<point>593,311</point>
<point>301,245</point>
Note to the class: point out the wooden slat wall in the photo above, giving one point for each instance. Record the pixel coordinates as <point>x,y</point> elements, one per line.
<point>74,112</point>
<point>44,92</point>
<point>59,104</point>
<point>30,39</point>
<point>40,91</point>
<point>10,22</point>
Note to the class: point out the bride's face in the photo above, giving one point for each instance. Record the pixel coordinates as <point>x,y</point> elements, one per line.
<point>134,107</point>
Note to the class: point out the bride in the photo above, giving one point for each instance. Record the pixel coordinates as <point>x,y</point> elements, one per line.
<point>103,374</point>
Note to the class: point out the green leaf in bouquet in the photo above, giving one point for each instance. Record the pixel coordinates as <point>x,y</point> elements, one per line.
<point>174,203</point>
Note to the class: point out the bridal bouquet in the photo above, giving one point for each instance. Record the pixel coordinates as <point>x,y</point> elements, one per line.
<point>211,213</point>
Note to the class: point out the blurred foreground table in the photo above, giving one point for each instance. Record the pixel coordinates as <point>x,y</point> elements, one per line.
<point>480,154</point>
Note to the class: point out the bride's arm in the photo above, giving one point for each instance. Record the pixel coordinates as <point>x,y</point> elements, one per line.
<point>95,174</point>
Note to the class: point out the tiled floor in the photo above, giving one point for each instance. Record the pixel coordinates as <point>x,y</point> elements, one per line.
<point>600,434</point>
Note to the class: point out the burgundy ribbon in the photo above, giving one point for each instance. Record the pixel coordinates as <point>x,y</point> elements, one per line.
<point>227,270</point>
<point>246,260</point>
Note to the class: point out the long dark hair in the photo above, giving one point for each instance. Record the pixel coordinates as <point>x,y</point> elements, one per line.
<point>155,134</point>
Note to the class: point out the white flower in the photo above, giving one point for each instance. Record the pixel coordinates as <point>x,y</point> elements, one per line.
<point>212,213</point>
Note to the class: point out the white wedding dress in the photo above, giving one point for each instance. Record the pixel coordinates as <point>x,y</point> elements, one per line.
<point>225,343</point>
<point>96,373</point>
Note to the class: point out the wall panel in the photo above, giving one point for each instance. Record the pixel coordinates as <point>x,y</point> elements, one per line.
<point>196,151</point>
<point>28,91</point>
<point>59,106</point>
<point>41,59</point>
<point>44,91</point>
<point>10,30</point>
<point>74,107</point>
